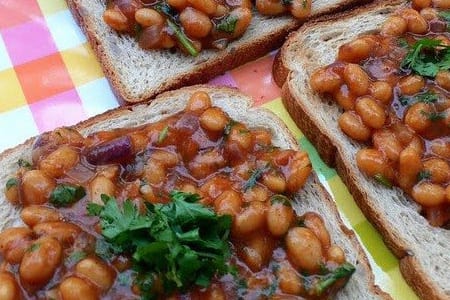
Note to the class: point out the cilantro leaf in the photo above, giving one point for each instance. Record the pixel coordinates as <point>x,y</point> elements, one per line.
<point>74,258</point>
<point>65,195</point>
<point>380,178</point>
<point>163,134</point>
<point>24,164</point>
<point>178,244</point>
<point>427,57</point>
<point>424,174</point>
<point>254,177</point>
<point>325,281</point>
<point>433,116</point>
<point>227,24</point>
<point>11,182</point>
<point>445,15</point>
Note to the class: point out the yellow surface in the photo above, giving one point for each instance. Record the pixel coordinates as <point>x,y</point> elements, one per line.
<point>82,64</point>
<point>11,95</point>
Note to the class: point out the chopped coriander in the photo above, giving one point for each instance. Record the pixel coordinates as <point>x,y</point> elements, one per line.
<point>403,100</point>
<point>65,195</point>
<point>254,177</point>
<point>163,134</point>
<point>228,127</point>
<point>424,174</point>
<point>227,24</point>
<point>344,271</point>
<point>433,116</point>
<point>286,2</point>
<point>445,15</point>
<point>34,247</point>
<point>11,182</point>
<point>427,57</point>
<point>75,257</point>
<point>427,97</point>
<point>124,279</point>
<point>24,164</point>
<point>380,178</point>
<point>181,244</point>
<point>280,199</point>
<point>402,42</point>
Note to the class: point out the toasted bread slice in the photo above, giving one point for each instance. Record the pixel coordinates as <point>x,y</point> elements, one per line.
<point>423,250</point>
<point>138,75</point>
<point>312,197</point>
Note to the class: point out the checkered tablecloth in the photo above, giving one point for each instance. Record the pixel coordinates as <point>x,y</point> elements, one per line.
<point>49,77</point>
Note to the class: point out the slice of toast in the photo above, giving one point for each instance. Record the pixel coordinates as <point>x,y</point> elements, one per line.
<point>137,75</point>
<point>423,250</point>
<point>313,197</point>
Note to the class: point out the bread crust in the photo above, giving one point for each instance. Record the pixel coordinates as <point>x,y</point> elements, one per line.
<point>118,116</point>
<point>330,150</point>
<point>222,61</point>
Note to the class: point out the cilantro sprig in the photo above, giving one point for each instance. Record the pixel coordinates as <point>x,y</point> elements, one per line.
<point>178,244</point>
<point>427,57</point>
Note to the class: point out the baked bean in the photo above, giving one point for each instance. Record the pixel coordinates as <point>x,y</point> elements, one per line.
<point>116,19</point>
<point>250,218</point>
<point>221,11</point>
<point>215,186</point>
<point>241,136</point>
<point>262,137</point>
<point>444,4</point>
<point>147,17</point>
<point>345,98</point>
<point>270,7</point>
<point>417,116</point>
<point>9,289</point>
<point>36,187</point>
<point>304,249</point>
<point>12,191</point>
<point>214,292</point>
<point>381,91</point>
<point>429,13</point>
<point>420,4</point>
<point>101,185</point>
<point>324,80</point>
<point>355,51</point>
<point>447,193</point>
<point>178,4</point>
<point>429,194</point>
<point>402,132</point>
<point>300,169</point>
<point>314,222</point>
<point>74,288</point>
<point>441,148</point>
<point>356,79</point>
<point>443,79</point>
<point>97,272</point>
<point>257,251</point>
<point>275,182</point>
<point>166,158</point>
<point>41,261</point>
<point>409,167</point>
<point>438,168</point>
<point>36,214</point>
<point>336,254</point>
<point>416,23</point>
<point>206,163</point>
<point>213,119</point>
<point>57,163</point>
<point>301,9</point>
<point>373,162</point>
<point>279,218</point>
<point>352,125</point>
<point>371,113</point>
<point>411,84</point>
<point>209,7</point>
<point>289,280</point>
<point>244,17</point>
<point>155,37</point>
<point>228,203</point>
<point>417,145</point>
<point>386,141</point>
<point>14,242</point>
<point>198,101</point>
<point>196,24</point>
<point>148,194</point>
<point>394,26</point>
<point>64,232</point>
<point>256,193</point>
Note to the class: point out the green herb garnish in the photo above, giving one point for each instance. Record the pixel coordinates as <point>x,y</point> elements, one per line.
<point>75,257</point>
<point>65,195</point>
<point>286,2</point>
<point>24,164</point>
<point>34,247</point>
<point>402,42</point>
<point>424,57</point>
<point>227,24</point>
<point>445,15</point>
<point>424,174</point>
<point>427,97</point>
<point>254,177</point>
<point>182,243</point>
<point>163,134</point>
<point>280,199</point>
<point>433,116</point>
<point>380,178</point>
<point>344,271</point>
<point>11,182</point>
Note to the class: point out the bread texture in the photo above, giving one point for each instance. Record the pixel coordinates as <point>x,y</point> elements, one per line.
<point>137,75</point>
<point>312,197</point>
<point>423,250</point>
